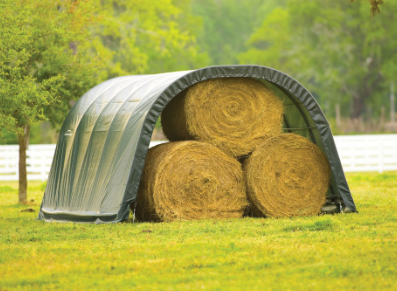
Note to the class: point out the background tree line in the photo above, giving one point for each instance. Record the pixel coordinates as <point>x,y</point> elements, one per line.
<point>52,51</point>
<point>345,57</point>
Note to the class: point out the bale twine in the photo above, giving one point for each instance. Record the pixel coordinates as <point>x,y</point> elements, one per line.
<point>287,175</point>
<point>190,180</point>
<point>234,114</point>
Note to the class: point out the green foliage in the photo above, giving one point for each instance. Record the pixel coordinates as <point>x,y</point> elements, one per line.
<point>272,44</point>
<point>148,36</point>
<point>39,72</point>
<point>8,137</point>
<point>227,25</point>
<point>40,133</point>
<point>158,123</point>
<point>341,53</point>
<point>346,251</point>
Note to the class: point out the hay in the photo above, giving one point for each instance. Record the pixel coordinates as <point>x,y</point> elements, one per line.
<point>286,176</point>
<point>190,180</point>
<point>234,114</point>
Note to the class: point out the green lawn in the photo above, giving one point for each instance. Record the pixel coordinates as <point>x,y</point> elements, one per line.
<point>341,252</point>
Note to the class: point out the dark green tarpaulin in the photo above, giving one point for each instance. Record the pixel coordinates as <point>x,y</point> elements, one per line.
<point>103,142</point>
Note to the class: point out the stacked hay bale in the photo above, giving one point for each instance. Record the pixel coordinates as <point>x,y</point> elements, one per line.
<point>230,119</point>
<point>287,175</point>
<point>190,180</point>
<point>233,114</point>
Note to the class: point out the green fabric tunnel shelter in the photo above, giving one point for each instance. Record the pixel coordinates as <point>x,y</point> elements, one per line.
<point>103,142</point>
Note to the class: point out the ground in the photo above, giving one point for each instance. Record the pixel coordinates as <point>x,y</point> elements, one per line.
<point>333,252</point>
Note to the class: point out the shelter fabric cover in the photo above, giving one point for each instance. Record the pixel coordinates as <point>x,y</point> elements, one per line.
<point>103,142</point>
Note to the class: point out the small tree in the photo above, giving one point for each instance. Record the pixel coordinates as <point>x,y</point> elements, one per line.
<point>46,60</point>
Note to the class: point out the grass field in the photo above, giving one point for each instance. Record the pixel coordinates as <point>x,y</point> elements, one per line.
<point>340,252</point>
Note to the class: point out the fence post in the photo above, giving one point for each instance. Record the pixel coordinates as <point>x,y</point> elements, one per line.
<point>16,161</point>
<point>380,169</point>
<point>42,168</point>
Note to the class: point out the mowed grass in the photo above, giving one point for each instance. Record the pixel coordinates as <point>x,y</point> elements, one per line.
<point>334,252</point>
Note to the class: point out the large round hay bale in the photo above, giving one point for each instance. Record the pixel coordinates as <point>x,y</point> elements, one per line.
<point>234,114</point>
<point>190,180</point>
<point>287,175</point>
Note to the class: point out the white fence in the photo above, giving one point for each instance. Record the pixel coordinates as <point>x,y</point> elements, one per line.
<point>38,161</point>
<point>367,153</point>
<point>358,153</point>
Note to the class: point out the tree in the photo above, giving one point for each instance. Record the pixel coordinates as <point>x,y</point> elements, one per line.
<point>149,36</point>
<point>228,24</point>
<point>45,62</point>
<point>343,55</point>
<point>272,44</point>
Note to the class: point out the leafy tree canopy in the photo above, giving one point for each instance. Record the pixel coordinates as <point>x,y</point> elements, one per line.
<point>336,48</point>
<point>45,60</point>
<point>228,24</point>
<point>149,36</point>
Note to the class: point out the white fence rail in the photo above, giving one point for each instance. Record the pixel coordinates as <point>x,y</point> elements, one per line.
<point>38,161</point>
<point>367,153</point>
<point>358,153</point>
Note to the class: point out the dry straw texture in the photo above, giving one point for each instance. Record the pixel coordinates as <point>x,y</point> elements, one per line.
<point>234,114</point>
<point>286,176</point>
<point>190,180</point>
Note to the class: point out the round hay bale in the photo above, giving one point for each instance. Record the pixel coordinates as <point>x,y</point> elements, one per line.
<point>287,175</point>
<point>190,180</point>
<point>234,114</point>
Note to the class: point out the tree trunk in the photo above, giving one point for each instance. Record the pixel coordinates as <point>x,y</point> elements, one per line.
<point>23,140</point>
<point>358,107</point>
<point>337,116</point>
<point>392,119</point>
<point>381,119</point>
